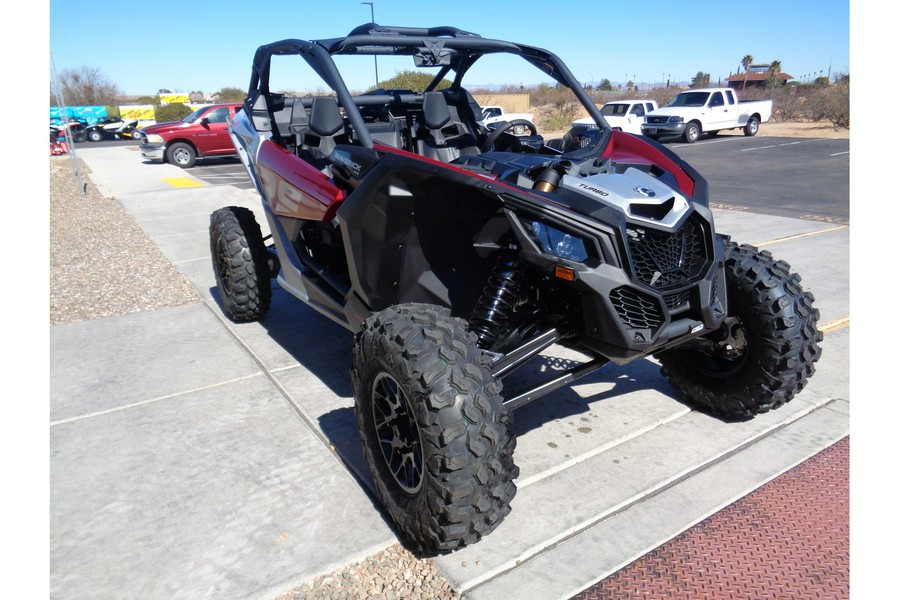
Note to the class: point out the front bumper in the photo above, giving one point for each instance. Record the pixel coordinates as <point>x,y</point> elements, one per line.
<point>662,128</point>
<point>154,152</point>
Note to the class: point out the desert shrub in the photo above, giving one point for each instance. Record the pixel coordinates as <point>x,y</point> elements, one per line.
<point>172,112</point>
<point>830,103</point>
<point>409,80</point>
<point>231,94</point>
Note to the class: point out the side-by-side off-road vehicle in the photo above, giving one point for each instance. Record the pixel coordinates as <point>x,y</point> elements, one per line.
<point>456,253</point>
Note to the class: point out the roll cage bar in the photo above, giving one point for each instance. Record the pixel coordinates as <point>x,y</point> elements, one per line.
<point>449,48</point>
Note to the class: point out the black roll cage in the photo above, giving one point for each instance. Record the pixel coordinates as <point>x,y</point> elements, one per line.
<point>448,47</point>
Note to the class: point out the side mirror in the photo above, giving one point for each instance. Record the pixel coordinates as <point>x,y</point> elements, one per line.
<point>204,121</point>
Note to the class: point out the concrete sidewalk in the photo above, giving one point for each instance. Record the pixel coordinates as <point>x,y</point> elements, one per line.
<point>192,457</point>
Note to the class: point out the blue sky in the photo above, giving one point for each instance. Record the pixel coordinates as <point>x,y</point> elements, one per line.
<point>209,45</point>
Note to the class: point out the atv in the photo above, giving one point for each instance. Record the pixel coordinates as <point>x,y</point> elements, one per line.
<point>455,254</point>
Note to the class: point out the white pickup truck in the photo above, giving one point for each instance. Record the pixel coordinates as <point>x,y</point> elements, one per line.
<point>624,115</point>
<point>496,114</point>
<point>709,111</point>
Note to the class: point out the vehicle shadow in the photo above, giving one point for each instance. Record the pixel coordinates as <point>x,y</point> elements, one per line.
<point>324,349</point>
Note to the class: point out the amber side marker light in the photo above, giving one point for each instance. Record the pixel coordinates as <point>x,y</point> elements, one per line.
<point>565,273</point>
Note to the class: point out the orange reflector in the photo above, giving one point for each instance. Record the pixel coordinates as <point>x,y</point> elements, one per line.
<point>565,273</point>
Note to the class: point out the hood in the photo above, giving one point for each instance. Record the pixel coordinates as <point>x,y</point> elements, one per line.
<point>165,126</point>
<point>638,195</point>
<point>671,111</point>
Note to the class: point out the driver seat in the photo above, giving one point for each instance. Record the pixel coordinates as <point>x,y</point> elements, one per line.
<point>443,135</point>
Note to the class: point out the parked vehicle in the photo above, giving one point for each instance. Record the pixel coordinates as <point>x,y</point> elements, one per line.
<point>622,115</point>
<point>709,111</point>
<point>492,115</point>
<point>73,130</point>
<point>110,128</point>
<point>455,254</point>
<point>58,144</point>
<point>201,134</point>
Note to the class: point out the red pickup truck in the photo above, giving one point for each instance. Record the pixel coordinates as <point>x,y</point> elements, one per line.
<point>201,134</point>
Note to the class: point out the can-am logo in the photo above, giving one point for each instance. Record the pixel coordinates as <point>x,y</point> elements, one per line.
<point>645,191</point>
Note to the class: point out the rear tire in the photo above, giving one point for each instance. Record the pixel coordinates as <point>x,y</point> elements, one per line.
<point>434,432</point>
<point>240,263</point>
<point>773,331</point>
<point>181,154</point>
<point>751,127</point>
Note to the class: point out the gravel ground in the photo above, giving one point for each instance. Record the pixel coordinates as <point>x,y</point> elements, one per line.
<point>103,264</point>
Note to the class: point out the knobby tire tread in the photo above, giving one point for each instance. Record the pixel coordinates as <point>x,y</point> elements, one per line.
<point>465,431</point>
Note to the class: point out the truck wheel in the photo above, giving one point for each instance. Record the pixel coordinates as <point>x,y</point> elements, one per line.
<point>751,127</point>
<point>181,154</point>
<point>766,349</point>
<point>434,432</point>
<point>691,133</point>
<point>240,263</point>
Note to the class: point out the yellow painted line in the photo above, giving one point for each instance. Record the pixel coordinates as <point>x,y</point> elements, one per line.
<point>801,235</point>
<point>835,325</point>
<point>183,182</point>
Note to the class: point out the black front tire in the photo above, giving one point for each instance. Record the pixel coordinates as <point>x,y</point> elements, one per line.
<point>240,263</point>
<point>95,136</point>
<point>181,154</point>
<point>434,432</point>
<point>773,337</point>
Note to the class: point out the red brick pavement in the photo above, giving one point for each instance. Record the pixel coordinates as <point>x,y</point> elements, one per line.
<point>788,539</point>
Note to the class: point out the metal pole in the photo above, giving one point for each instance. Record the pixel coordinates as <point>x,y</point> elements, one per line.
<point>70,141</point>
<point>372,10</point>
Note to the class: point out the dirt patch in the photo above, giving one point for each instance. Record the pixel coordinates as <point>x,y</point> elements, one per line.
<point>799,130</point>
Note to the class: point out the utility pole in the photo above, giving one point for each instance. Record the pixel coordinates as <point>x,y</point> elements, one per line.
<point>372,10</point>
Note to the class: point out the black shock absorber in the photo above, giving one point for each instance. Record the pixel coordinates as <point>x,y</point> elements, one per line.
<point>503,293</point>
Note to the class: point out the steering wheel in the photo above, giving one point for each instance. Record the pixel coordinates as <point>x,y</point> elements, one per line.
<point>502,128</point>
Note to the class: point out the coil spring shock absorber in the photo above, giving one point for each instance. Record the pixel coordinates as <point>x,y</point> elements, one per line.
<point>503,293</point>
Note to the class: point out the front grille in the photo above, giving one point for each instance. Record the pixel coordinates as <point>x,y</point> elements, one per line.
<point>661,259</point>
<point>677,300</point>
<point>635,309</point>
<point>657,120</point>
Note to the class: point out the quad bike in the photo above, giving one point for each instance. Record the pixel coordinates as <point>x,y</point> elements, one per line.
<point>456,254</point>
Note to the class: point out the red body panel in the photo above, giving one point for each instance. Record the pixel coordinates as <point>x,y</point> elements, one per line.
<point>625,147</point>
<point>293,187</point>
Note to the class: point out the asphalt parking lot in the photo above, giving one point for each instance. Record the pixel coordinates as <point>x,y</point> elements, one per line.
<point>788,177</point>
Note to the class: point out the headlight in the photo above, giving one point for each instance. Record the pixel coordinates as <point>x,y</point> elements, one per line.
<point>676,119</point>
<point>152,138</point>
<point>558,243</point>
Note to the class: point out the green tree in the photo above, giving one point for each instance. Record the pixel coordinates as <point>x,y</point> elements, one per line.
<point>700,80</point>
<point>605,86</point>
<point>409,80</point>
<point>746,62</point>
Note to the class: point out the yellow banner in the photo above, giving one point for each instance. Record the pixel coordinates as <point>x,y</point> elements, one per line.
<point>142,112</point>
<point>173,98</point>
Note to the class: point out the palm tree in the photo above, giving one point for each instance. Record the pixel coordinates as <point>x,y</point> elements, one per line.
<point>746,62</point>
<point>774,70</point>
